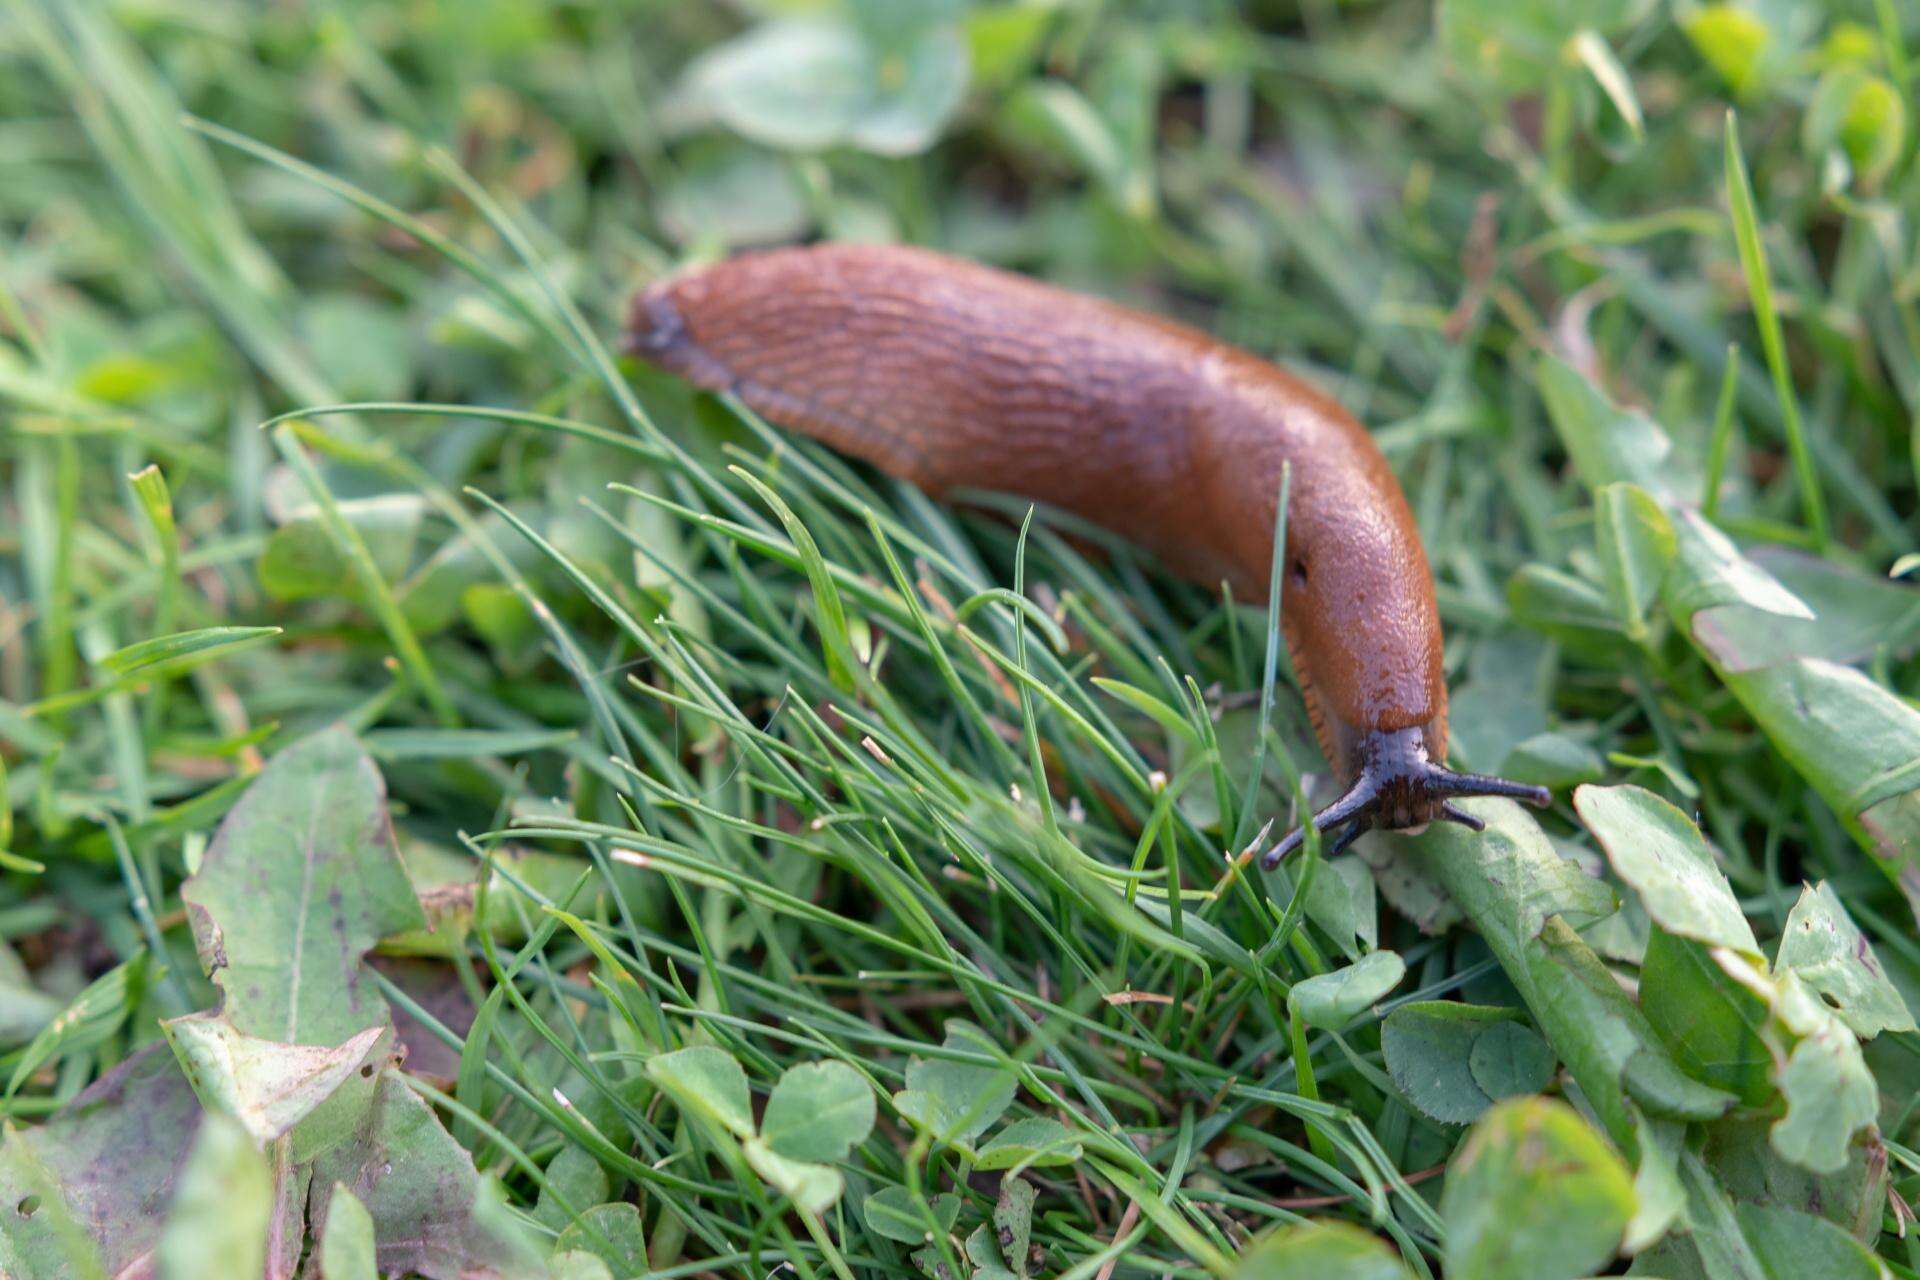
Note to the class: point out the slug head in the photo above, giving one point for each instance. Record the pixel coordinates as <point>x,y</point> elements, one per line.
<point>1397,787</point>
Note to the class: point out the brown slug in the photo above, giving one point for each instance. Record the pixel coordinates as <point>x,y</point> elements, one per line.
<point>954,375</point>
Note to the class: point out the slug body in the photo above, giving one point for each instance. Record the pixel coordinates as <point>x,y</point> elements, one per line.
<point>953,375</point>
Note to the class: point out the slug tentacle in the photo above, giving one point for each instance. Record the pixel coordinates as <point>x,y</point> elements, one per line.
<point>1398,787</point>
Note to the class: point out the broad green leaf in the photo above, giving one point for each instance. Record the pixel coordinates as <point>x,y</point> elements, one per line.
<point>165,655</point>
<point>1712,1025</point>
<point>1327,1250</point>
<point>1740,1153</point>
<point>92,1019</point>
<point>267,1086</point>
<point>1856,614</point>
<point>1331,1000</point>
<point>576,1174</point>
<point>1608,444</point>
<point>1634,541</point>
<point>1510,878</point>
<point>1655,848</point>
<point>1791,1244</point>
<point>1709,573</point>
<point>1829,1092</point>
<point>814,82</point>
<point>956,1101</point>
<point>813,1188</point>
<point>892,1212</point>
<point>429,1207</point>
<point>1506,880</point>
<point>1509,1059</point>
<point>1429,1047</point>
<point>301,880</point>
<point>1034,1141</point>
<point>1534,1194</point>
<point>818,1111</point>
<point>217,1224</point>
<point>1857,744</point>
<point>611,1233</point>
<point>346,1245</point>
<point>1826,949</point>
<point>737,197</point>
<point>706,1081</point>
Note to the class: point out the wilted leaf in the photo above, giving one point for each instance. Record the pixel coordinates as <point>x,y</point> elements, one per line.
<point>1534,1194</point>
<point>421,1190</point>
<point>301,880</point>
<point>818,1111</point>
<point>102,1166</point>
<point>1329,1250</point>
<point>267,1086</point>
<point>218,1221</point>
<point>1657,849</point>
<point>1331,1000</point>
<point>1013,1221</point>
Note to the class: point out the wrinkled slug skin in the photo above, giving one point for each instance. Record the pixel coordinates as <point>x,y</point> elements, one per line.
<point>954,375</point>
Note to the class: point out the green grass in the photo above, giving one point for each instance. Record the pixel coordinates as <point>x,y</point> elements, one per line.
<point>703,746</point>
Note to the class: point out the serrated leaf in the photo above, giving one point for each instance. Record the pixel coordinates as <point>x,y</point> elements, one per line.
<point>1657,849</point>
<point>1331,1000</point>
<point>818,1111</point>
<point>706,1081</point>
<point>1829,953</point>
<point>1534,1194</point>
